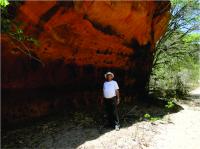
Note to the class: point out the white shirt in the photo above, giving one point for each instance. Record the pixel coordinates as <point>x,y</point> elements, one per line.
<point>109,88</point>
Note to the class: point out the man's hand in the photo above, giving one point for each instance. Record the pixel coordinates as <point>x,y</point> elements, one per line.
<point>101,101</point>
<point>101,104</point>
<point>118,101</point>
<point>117,93</point>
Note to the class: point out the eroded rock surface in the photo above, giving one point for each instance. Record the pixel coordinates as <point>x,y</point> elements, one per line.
<point>79,41</point>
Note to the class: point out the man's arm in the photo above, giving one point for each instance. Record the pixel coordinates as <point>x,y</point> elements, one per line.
<point>101,99</point>
<point>117,93</point>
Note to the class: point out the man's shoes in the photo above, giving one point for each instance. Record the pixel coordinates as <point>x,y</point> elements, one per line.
<point>117,127</point>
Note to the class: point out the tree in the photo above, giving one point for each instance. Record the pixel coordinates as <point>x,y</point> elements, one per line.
<point>177,52</point>
<point>13,30</point>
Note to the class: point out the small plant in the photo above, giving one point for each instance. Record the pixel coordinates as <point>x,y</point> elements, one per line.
<point>170,105</point>
<point>154,119</point>
<point>147,116</point>
<point>150,118</point>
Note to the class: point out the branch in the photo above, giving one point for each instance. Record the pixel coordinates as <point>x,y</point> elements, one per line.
<point>26,49</point>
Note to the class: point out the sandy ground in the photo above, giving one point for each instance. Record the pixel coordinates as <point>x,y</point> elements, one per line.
<point>175,131</point>
<point>195,91</point>
<point>182,133</point>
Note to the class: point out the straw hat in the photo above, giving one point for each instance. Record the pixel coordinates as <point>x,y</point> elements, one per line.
<point>109,73</point>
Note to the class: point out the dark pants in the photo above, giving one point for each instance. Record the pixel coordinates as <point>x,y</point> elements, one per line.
<point>110,107</point>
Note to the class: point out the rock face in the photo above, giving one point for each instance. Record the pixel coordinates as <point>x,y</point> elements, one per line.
<point>80,40</point>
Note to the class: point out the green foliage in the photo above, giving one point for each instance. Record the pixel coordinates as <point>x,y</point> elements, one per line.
<point>4,3</point>
<point>176,65</point>
<point>147,116</point>
<point>14,29</point>
<point>154,119</point>
<point>20,36</point>
<point>170,105</point>
<point>181,89</point>
<point>151,118</point>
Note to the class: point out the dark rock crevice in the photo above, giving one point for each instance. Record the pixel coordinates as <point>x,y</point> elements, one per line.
<point>108,29</point>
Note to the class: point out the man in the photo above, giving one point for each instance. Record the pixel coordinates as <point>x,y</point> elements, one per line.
<point>111,100</point>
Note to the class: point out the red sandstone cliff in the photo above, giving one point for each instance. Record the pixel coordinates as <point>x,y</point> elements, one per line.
<point>79,42</point>
<point>92,34</point>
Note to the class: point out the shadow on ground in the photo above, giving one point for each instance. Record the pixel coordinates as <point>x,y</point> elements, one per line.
<point>71,129</point>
